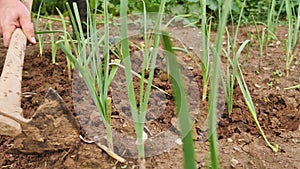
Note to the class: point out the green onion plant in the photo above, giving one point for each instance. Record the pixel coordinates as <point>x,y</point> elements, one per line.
<point>271,22</point>
<point>231,77</point>
<point>228,84</point>
<point>267,32</point>
<point>238,75</point>
<point>214,83</point>
<point>53,43</point>
<point>293,18</point>
<point>139,113</point>
<point>251,107</point>
<point>66,41</point>
<point>41,33</point>
<point>205,54</point>
<point>85,54</point>
<point>40,37</point>
<point>263,39</point>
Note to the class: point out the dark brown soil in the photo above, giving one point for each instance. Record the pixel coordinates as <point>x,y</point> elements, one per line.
<point>240,143</point>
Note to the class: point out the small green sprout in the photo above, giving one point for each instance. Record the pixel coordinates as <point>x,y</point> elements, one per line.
<point>277,73</point>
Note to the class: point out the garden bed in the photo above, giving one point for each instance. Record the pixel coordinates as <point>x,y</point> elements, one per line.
<point>240,144</point>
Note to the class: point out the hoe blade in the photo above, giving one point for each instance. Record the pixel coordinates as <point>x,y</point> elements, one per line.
<point>52,128</point>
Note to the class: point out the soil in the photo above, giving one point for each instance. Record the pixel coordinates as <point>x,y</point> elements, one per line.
<point>239,141</point>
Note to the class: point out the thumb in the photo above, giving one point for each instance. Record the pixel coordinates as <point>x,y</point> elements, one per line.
<point>27,27</point>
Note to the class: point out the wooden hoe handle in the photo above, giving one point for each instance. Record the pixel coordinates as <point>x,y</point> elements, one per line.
<point>10,82</point>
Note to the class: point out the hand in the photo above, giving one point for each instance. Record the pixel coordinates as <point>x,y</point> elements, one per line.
<point>14,14</point>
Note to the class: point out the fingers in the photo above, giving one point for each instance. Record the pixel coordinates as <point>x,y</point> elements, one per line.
<point>27,27</point>
<point>7,33</point>
<point>17,16</point>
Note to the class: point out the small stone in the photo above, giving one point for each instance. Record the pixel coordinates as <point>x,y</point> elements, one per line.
<point>237,149</point>
<point>234,162</point>
<point>271,44</point>
<point>226,151</point>
<point>278,43</point>
<point>257,85</point>
<point>293,67</point>
<point>229,140</point>
<point>145,136</point>
<point>178,141</point>
<point>266,68</point>
<point>190,67</point>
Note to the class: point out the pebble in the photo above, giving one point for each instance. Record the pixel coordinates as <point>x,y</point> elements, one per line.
<point>190,67</point>
<point>225,151</point>
<point>229,140</point>
<point>257,85</point>
<point>234,162</point>
<point>178,141</point>
<point>237,149</point>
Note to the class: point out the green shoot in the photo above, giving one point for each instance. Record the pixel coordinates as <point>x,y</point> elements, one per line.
<point>293,33</point>
<point>249,102</point>
<point>278,13</point>
<point>261,41</point>
<point>230,78</point>
<point>181,102</point>
<point>39,36</point>
<point>66,43</point>
<point>204,54</point>
<point>213,94</point>
<point>271,25</point>
<point>53,44</point>
<point>232,52</point>
<point>293,87</point>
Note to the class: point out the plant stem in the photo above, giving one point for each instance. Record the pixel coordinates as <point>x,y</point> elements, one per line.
<point>181,102</point>
<point>213,94</point>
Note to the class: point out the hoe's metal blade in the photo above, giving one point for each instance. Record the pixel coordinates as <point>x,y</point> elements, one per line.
<point>52,128</point>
